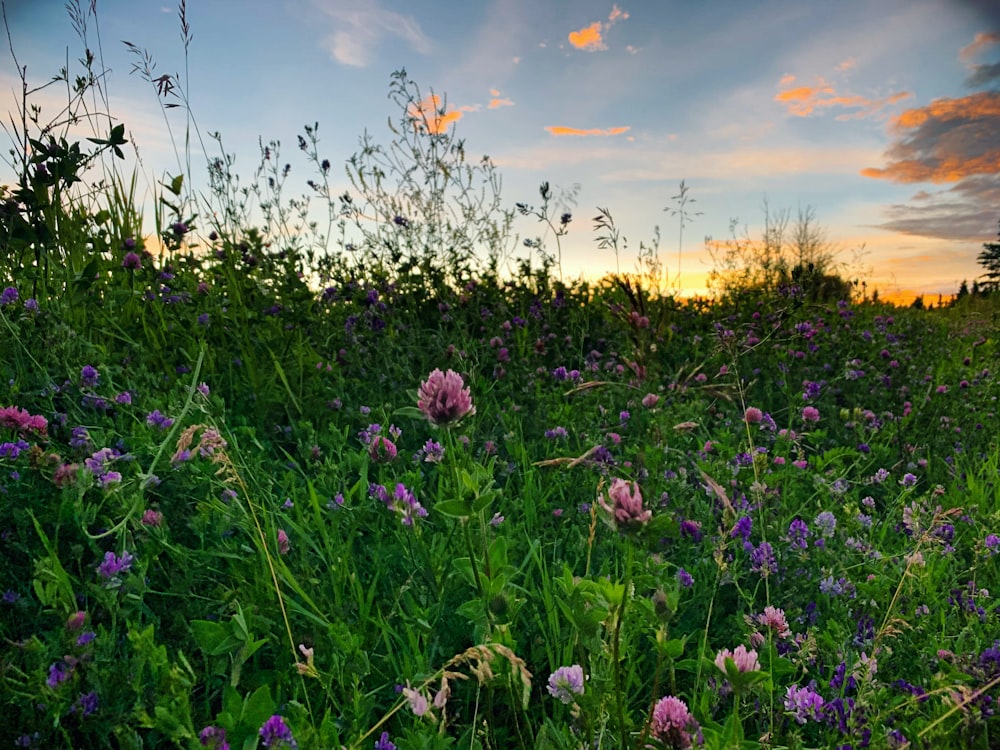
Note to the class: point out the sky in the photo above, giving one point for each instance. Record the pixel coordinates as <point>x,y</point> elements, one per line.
<point>882,117</point>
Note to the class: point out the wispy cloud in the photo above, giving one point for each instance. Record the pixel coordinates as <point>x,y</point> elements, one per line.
<point>805,100</point>
<point>362,25</point>
<point>591,38</point>
<point>498,101</point>
<point>562,130</point>
<point>980,42</point>
<point>431,115</point>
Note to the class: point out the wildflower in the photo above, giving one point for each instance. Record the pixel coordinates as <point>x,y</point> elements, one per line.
<point>810,414</point>
<point>774,618</point>
<point>284,545</point>
<point>673,724</point>
<point>76,620</point>
<point>826,522</point>
<point>382,450</point>
<point>626,505</point>
<point>20,420</point>
<point>443,399</point>
<point>152,518</point>
<point>744,660</point>
<point>113,565</point>
<point>803,703</point>
<point>8,296</point>
<point>566,683</point>
<point>156,419</point>
<point>405,503</point>
<point>89,376</point>
<point>908,480</point>
<point>86,704</point>
<point>276,734</point>
<point>132,262</point>
<point>433,452</point>
<point>753,415</point>
<point>384,743</point>
<point>213,738</point>
<point>650,400</point>
<point>59,672</point>
<point>85,637</point>
<point>417,700</point>
<point>684,578</point>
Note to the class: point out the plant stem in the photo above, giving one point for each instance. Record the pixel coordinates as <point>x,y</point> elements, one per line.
<point>616,648</point>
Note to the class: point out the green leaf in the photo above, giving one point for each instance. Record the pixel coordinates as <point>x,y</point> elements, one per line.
<point>258,708</point>
<point>453,508</point>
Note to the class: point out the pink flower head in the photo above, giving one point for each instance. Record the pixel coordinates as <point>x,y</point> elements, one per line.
<point>650,400</point>
<point>774,618</point>
<point>810,414</point>
<point>672,723</point>
<point>382,449</point>
<point>626,504</point>
<point>284,544</point>
<point>746,661</point>
<point>22,421</point>
<point>753,415</point>
<point>443,398</point>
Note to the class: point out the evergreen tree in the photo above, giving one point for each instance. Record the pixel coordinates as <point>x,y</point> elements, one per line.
<point>989,259</point>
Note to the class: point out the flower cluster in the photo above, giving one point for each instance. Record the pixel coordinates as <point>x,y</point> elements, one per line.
<point>444,399</point>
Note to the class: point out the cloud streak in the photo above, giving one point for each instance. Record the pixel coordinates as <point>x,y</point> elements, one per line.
<point>805,100</point>
<point>561,130</point>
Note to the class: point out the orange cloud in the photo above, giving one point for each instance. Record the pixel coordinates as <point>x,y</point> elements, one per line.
<point>588,38</point>
<point>848,64</point>
<point>562,130</point>
<point>972,107</point>
<point>428,114</point>
<point>803,101</point>
<point>497,102</point>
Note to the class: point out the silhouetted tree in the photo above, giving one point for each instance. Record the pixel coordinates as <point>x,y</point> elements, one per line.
<point>989,259</point>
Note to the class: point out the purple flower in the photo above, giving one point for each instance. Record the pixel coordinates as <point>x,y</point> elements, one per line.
<point>433,452</point>
<point>684,578</point>
<point>156,419</point>
<point>908,480</point>
<point>86,704</point>
<point>625,509</point>
<point>59,672</point>
<point>803,703</point>
<point>89,376</point>
<point>213,738</point>
<point>384,743</point>
<point>566,683</point>
<point>132,262</point>
<point>276,734</point>
<point>443,398</point>
<point>8,296</point>
<point>113,565</point>
<point>672,723</point>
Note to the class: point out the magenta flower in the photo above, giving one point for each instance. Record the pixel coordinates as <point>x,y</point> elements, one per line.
<point>443,398</point>
<point>753,415</point>
<point>673,724</point>
<point>774,618</point>
<point>810,414</point>
<point>284,544</point>
<point>626,505</point>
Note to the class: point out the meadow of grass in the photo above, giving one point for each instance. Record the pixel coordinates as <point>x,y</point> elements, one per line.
<point>239,508</point>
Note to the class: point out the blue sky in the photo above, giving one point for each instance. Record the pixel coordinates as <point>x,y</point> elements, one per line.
<point>881,116</point>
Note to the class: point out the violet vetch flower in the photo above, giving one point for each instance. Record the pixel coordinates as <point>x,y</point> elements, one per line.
<point>444,399</point>
<point>673,725</point>
<point>213,738</point>
<point>113,565</point>
<point>86,704</point>
<point>384,743</point>
<point>566,683</point>
<point>276,734</point>
<point>804,704</point>
<point>625,509</point>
